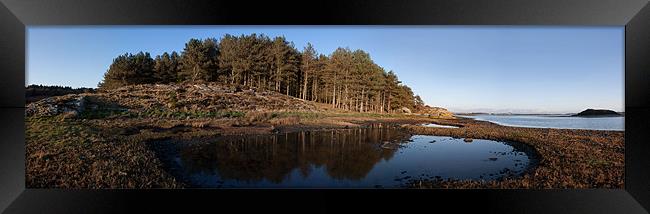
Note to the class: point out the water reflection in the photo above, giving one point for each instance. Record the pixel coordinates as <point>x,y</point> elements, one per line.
<point>343,154</point>
<point>373,157</point>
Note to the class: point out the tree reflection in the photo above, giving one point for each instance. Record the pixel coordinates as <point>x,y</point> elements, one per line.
<point>344,154</point>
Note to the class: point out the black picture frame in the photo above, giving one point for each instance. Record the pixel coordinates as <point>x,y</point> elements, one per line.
<point>15,15</point>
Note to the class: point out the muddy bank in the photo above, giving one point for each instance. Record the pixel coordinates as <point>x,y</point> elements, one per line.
<point>255,123</point>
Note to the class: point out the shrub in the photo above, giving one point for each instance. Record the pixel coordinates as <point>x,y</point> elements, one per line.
<point>172,99</point>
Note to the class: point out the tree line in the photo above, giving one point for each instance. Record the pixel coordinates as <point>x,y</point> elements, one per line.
<point>35,92</point>
<point>345,79</point>
<point>54,90</point>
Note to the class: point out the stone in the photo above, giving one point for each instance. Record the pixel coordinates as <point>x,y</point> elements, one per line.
<point>436,112</point>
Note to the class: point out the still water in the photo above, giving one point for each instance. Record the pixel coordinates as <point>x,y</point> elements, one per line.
<point>439,126</point>
<point>351,158</point>
<point>555,121</point>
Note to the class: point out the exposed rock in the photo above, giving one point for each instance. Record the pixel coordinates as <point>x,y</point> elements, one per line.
<point>405,110</point>
<point>436,112</point>
<point>71,105</point>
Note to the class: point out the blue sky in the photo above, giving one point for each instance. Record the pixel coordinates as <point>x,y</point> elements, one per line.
<point>519,69</point>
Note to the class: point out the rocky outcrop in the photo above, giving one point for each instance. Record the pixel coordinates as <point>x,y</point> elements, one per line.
<point>405,110</point>
<point>73,104</point>
<point>436,112</point>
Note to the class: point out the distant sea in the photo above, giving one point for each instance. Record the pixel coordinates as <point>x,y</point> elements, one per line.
<point>554,121</point>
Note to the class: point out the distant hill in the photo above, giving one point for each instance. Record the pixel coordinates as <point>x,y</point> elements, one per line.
<point>597,113</point>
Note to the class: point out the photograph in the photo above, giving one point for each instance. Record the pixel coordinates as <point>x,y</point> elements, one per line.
<point>324,107</point>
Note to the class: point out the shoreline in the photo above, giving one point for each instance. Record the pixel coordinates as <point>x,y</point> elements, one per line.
<point>112,148</point>
<point>552,116</point>
<point>570,158</point>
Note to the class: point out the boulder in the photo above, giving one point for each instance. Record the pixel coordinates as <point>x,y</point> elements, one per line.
<point>71,105</point>
<point>436,112</point>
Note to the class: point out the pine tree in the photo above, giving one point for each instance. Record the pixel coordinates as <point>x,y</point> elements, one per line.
<point>166,67</point>
<point>285,63</point>
<point>345,79</point>
<point>129,69</point>
<point>199,60</point>
<point>392,84</point>
<point>308,66</point>
<point>317,78</point>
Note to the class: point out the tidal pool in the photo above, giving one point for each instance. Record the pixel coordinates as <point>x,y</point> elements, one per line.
<point>350,158</point>
<point>438,126</point>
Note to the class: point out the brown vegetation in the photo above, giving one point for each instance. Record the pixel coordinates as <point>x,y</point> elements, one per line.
<point>98,140</point>
<point>112,153</point>
<point>70,154</point>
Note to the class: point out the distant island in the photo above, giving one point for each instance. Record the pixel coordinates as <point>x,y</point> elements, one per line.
<point>597,113</point>
<point>585,113</point>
